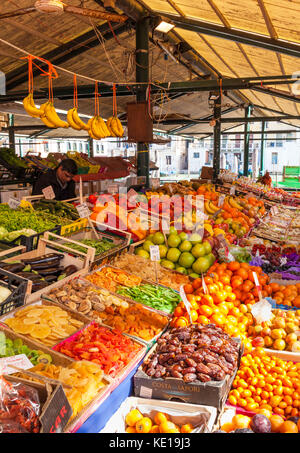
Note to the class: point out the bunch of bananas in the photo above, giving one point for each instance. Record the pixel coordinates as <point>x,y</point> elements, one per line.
<point>210,208</point>
<point>99,129</point>
<point>46,112</point>
<point>233,203</point>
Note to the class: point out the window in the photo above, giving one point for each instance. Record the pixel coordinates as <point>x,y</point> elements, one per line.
<point>74,146</point>
<point>207,157</point>
<point>69,146</point>
<point>274,158</point>
<point>279,141</point>
<point>238,141</point>
<point>168,160</point>
<point>80,147</point>
<point>196,155</point>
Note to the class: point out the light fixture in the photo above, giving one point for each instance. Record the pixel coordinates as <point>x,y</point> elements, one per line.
<point>164,26</point>
<point>213,96</point>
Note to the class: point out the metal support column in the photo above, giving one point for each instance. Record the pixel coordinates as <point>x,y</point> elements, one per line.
<point>262,148</point>
<point>11,132</point>
<point>217,139</point>
<point>248,111</point>
<point>142,75</point>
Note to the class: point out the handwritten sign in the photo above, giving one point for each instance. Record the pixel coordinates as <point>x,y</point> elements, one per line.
<point>221,199</point>
<point>83,210</point>
<point>257,284</point>
<point>187,304</point>
<point>232,190</point>
<point>20,361</point>
<point>48,193</point>
<point>154,253</point>
<point>13,203</point>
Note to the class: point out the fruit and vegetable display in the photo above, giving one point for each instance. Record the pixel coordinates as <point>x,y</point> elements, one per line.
<point>10,347</point>
<point>100,246</point>
<point>15,222</point>
<point>47,324</point>
<point>261,423</point>
<point>157,297</point>
<point>83,379</point>
<point>185,253</point>
<point>267,191</point>
<point>267,382</point>
<point>160,422</point>
<point>147,270</point>
<point>101,305</point>
<point>281,332</point>
<point>42,270</point>
<point>56,207</point>
<point>110,278</point>
<point>195,353</point>
<point>110,349</point>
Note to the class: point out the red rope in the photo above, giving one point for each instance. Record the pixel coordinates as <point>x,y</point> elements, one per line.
<point>75,96</point>
<point>114,35</point>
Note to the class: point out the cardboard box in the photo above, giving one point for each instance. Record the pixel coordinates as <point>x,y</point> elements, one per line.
<point>212,393</point>
<point>15,193</point>
<point>201,417</point>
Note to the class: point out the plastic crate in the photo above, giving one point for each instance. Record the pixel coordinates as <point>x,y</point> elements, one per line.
<point>73,227</point>
<point>30,242</point>
<point>18,287</point>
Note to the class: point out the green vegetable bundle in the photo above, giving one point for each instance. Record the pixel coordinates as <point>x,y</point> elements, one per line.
<point>157,297</point>
<point>58,208</point>
<point>11,158</point>
<point>101,246</point>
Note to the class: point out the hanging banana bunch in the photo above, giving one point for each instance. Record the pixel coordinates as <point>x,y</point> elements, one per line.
<point>30,106</point>
<point>113,123</point>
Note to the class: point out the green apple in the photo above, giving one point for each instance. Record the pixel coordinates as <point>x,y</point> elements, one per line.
<point>186,259</point>
<point>198,250</point>
<point>158,238</point>
<point>182,270</point>
<point>149,237</point>
<point>207,247</point>
<point>173,240</point>
<point>185,246</point>
<point>142,252</point>
<point>172,230</point>
<point>173,254</point>
<point>195,238</point>
<point>183,236</point>
<point>201,265</point>
<point>163,250</point>
<point>168,264</point>
<point>146,245</point>
<point>194,275</point>
<point>211,258</point>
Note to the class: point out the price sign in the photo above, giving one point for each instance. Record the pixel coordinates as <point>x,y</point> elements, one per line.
<point>20,361</point>
<point>132,196</point>
<point>221,199</point>
<point>13,203</point>
<point>48,193</point>
<point>187,304</point>
<point>83,210</point>
<point>274,210</point>
<point>232,190</point>
<point>154,253</point>
<point>205,290</point>
<point>257,284</point>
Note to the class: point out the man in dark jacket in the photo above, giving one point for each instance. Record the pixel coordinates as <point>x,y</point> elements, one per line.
<point>60,179</point>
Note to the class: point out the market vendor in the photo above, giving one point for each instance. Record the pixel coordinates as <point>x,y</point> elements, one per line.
<point>60,179</point>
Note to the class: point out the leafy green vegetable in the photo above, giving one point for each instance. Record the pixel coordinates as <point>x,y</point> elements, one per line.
<point>101,246</point>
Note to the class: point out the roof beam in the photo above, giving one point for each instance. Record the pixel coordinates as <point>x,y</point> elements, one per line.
<point>243,37</point>
<point>65,52</point>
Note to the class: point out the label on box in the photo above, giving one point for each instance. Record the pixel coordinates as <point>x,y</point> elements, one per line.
<point>154,253</point>
<point>48,193</point>
<point>83,210</point>
<point>13,203</point>
<point>145,392</point>
<point>20,361</point>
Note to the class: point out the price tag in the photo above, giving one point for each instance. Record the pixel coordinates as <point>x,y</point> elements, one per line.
<point>186,302</point>
<point>232,190</point>
<point>262,311</point>
<point>257,284</point>
<point>83,210</point>
<point>20,361</point>
<point>205,290</point>
<point>132,196</point>
<point>221,199</point>
<point>154,253</point>
<point>274,210</point>
<point>13,203</point>
<point>48,193</point>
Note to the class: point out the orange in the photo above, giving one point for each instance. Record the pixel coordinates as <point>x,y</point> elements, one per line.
<point>203,320</point>
<point>130,429</point>
<point>227,427</point>
<point>144,425</point>
<point>233,266</point>
<point>194,315</point>
<point>181,322</point>
<point>160,417</point>
<point>168,427</point>
<point>288,427</point>
<point>218,319</point>
<point>154,429</point>
<point>242,273</point>
<point>197,283</point>
<point>205,310</point>
<point>265,412</point>
<point>187,428</point>
<point>178,312</point>
<point>188,288</point>
<point>133,417</point>
<point>276,422</point>
<point>207,299</point>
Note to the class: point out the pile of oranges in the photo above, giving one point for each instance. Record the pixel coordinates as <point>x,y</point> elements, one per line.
<point>278,423</point>
<point>268,383</point>
<point>286,295</point>
<point>136,422</point>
